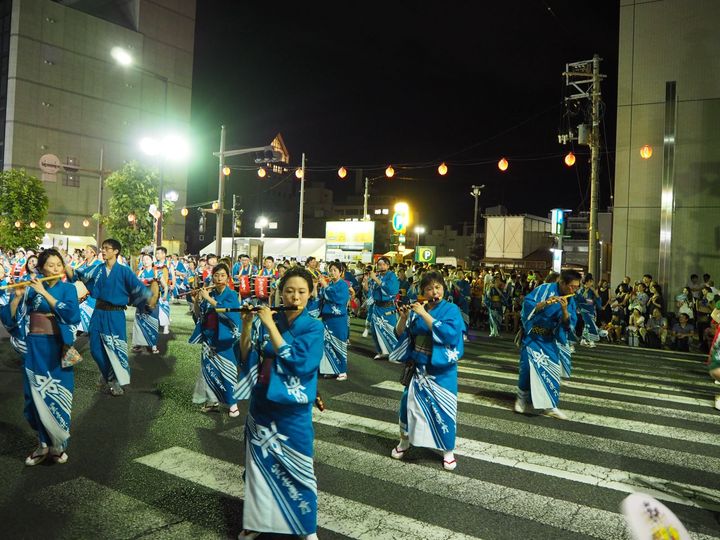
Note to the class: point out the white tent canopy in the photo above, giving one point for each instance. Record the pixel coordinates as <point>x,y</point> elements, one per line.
<point>275,247</point>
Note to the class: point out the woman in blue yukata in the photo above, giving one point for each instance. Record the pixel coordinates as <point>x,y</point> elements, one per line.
<point>334,297</point>
<point>146,327</point>
<point>496,300</point>
<point>431,336</point>
<point>219,334</point>
<point>52,310</point>
<point>383,287</point>
<point>588,302</point>
<point>281,356</point>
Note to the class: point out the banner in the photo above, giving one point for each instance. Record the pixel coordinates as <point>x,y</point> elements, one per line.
<point>425,254</point>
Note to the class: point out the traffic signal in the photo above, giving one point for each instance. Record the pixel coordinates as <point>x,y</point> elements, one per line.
<point>202,223</point>
<point>237,221</point>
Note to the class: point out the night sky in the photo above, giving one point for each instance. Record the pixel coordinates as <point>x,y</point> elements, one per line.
<point>462,82</point>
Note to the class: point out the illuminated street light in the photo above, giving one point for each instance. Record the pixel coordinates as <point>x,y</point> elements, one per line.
<point>418,230</point>
<point>261,223</point>
<point>442,169</point>
<point>121,56</point>
<point>172,196</point>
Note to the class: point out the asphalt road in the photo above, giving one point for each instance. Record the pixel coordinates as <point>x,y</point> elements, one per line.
<point>150,465</point>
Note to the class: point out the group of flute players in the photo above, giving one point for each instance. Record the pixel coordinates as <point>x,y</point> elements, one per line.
<point>271,356</point>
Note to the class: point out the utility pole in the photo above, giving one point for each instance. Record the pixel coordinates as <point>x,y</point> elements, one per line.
<point>594,235</point>
<point>476,190</point>
<point>101,181</point>
<point>366,196</point>
<point>221,195</point>
<point>583,78</point>
<point>302,204</point>
<point>232,232</point>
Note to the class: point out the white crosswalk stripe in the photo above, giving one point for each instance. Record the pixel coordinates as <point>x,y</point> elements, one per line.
<point>338,514</point>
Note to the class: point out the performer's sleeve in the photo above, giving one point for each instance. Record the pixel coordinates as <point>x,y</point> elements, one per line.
<point>303,358</point>
<point>67,308</point>
<point>528,309</point>
<point>391,285</point>
<point>137,291</point>
<point>8,321</point>
<point>448,329</point>
<point>337,294</point>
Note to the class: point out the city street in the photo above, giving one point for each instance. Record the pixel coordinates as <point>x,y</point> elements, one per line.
<point>150,465</point>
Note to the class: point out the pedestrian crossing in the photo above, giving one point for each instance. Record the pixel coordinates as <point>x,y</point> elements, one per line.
<point>519,476</point>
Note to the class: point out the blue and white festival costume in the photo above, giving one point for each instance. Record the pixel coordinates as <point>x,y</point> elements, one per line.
<point>146,325</point>
<point>113,290</point>
<point>428,407</point>
<point>48,387</point>
<point>334,298</point>
<point>383,315</point>
<point>280,484</point>
<point>18,330</point>
<point>588,302</point>
<point>461,297</point>
<point>495,301</point>
<point>219,334</point>
<point>88,306</point>
<point>540,368</point>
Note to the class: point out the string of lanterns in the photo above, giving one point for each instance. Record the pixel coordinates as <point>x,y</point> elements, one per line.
<point>48,224</point>
<point>503,164</point>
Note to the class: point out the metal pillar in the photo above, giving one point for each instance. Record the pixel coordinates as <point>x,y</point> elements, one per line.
<point>593,234</point>
<point>221,195</point>
<point>302,204</point>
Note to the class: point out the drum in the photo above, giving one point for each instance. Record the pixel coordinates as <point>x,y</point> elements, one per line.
<point>262,287</point>
<point>82,292</point>
<point>244,285</point>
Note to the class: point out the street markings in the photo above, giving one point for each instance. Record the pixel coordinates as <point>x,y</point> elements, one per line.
<point>337,514</point>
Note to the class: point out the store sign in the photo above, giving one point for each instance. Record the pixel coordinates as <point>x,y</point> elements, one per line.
<point>425,254</point>
<point>349,240</point>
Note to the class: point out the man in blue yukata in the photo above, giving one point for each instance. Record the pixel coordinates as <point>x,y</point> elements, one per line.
<point>113,286</point>
<point>548,315</point>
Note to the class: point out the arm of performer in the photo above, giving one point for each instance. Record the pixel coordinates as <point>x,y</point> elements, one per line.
<point>247,323</point>
<point>18,294</point>
<point>403,312</point>
<point>39,288</point>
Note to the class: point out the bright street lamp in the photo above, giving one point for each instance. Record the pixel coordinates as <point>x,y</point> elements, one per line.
<point>418,230</point>
<point>476,190</point>
<point>263,222</point>
<point>172,196</point>
<point>121,56</point>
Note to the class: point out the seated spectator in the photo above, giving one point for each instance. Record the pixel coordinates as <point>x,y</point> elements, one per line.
<point>656,298</point>
<point>656,330</point>
<point>642,296</point>
<point>685,303</point>
<point>682,332</point>
<point>616,327</point>
<point>695,286</point>
<point>636,322</point>
<point>605,312</point>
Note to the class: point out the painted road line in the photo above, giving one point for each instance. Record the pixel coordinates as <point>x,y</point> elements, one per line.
<point>547,465</point>
<point>107,515</point>
<point>607,388</point>
<point>700,462</point>
<point>337,514</point>
<point>698,379</point>
<point>595,420</point>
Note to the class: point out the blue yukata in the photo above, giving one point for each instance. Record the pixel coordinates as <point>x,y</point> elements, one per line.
<point>313,307</point>
<point>147,322</point>
<point>181,284</point>
<point>462,300</point>
<point>48,387</point>
<point>588,302</point>
<point>88,306</point>
<point>383,316</point>
<point>428,407</point>
<point>280,484</point>
<point>219,334</point>
<point>540,358</point>
<point>163,302</point>
<point>17,327</point>
<point>334,298</point>
<point>495,301</point>
<point>118,287</point>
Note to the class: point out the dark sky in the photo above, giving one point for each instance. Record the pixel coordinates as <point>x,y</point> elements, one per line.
<point>404,83</point>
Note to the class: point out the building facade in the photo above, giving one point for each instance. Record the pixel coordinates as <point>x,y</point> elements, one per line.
<point>666,207</point>
<point>65,101</point>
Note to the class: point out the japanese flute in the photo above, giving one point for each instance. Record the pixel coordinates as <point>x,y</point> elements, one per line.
<point>27,283</point>
<point>255,308</point>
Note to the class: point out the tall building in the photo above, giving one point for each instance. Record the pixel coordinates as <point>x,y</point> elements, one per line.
<point>666,207</point>
<point>64,100</point>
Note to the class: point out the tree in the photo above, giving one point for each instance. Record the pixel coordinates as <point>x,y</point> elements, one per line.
<point>22,200</point>
<point>134,190</point>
